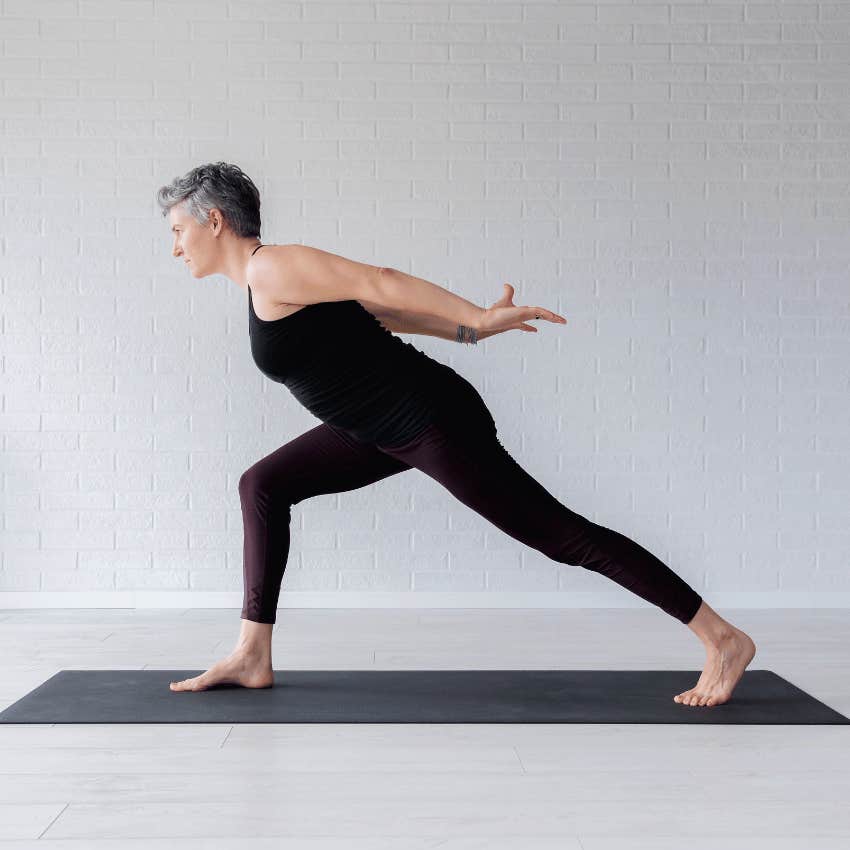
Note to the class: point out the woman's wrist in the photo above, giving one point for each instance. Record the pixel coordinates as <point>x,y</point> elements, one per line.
<point>467,334</point>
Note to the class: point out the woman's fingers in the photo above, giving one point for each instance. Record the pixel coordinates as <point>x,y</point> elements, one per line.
<point>541,313</point>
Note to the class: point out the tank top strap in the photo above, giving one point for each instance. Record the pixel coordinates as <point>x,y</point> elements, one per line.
<point>257,249</point>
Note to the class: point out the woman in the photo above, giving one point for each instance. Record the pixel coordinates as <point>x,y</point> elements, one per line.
<point>321,324</point>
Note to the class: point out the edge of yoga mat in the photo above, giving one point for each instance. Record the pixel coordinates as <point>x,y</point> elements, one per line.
<point>416,696</point>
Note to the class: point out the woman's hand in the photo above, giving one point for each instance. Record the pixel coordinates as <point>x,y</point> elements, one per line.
<point>505,316</point>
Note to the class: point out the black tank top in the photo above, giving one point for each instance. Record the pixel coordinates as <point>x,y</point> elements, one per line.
<point>348,370</point>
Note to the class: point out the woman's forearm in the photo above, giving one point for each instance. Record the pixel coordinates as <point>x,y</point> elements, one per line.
<point>404,294</point>
<point>417,323</point>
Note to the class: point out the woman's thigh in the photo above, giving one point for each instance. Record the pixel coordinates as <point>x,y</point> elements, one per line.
<point>323,460</point>
<point>463,453</point>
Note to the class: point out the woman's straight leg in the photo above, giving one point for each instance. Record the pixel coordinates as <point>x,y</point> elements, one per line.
<point>322,460</point>
<point>463,453</point>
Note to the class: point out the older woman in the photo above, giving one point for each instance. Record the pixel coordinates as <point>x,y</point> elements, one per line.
<point>322,325</point>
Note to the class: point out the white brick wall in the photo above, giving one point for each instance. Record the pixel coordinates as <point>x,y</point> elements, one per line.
<point>674,178</point>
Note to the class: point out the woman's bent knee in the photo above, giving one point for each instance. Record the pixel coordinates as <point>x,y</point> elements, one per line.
<point>255,484</point>
<point>249,484</point>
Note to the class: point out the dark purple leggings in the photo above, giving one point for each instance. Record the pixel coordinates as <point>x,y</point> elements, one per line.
<point>460,450</point>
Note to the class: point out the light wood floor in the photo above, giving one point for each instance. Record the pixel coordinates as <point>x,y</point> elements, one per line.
<point>404,786</point>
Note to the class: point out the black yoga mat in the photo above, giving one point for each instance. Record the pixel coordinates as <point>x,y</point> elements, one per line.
<point>414,696</point>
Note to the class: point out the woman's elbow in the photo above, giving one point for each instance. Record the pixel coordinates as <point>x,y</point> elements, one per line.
<point>385,288</point>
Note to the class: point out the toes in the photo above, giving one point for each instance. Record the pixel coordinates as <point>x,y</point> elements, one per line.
<point>693,697</point>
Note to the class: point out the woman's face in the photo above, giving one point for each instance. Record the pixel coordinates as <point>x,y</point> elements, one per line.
<point>189,240</point>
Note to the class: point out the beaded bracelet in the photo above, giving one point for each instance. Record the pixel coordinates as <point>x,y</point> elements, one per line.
<point>465,334</point>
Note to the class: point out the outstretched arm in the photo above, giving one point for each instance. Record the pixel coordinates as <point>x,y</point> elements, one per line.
<point>405,294</point>
<point>416,323</point>
<point>308,275</point>
<point>300,274</point>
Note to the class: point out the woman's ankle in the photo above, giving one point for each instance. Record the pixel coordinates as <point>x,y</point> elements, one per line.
<point>255,638</point>
<point>710,627</point>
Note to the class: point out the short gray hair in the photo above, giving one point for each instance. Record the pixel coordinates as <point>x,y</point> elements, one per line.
<point>220,185</point>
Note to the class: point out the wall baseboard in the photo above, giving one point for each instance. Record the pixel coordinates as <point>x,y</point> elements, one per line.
<point>321,599</point>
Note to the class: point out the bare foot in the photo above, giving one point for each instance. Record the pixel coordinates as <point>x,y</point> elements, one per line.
<point>251,670</point>
<point>726,662</point>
